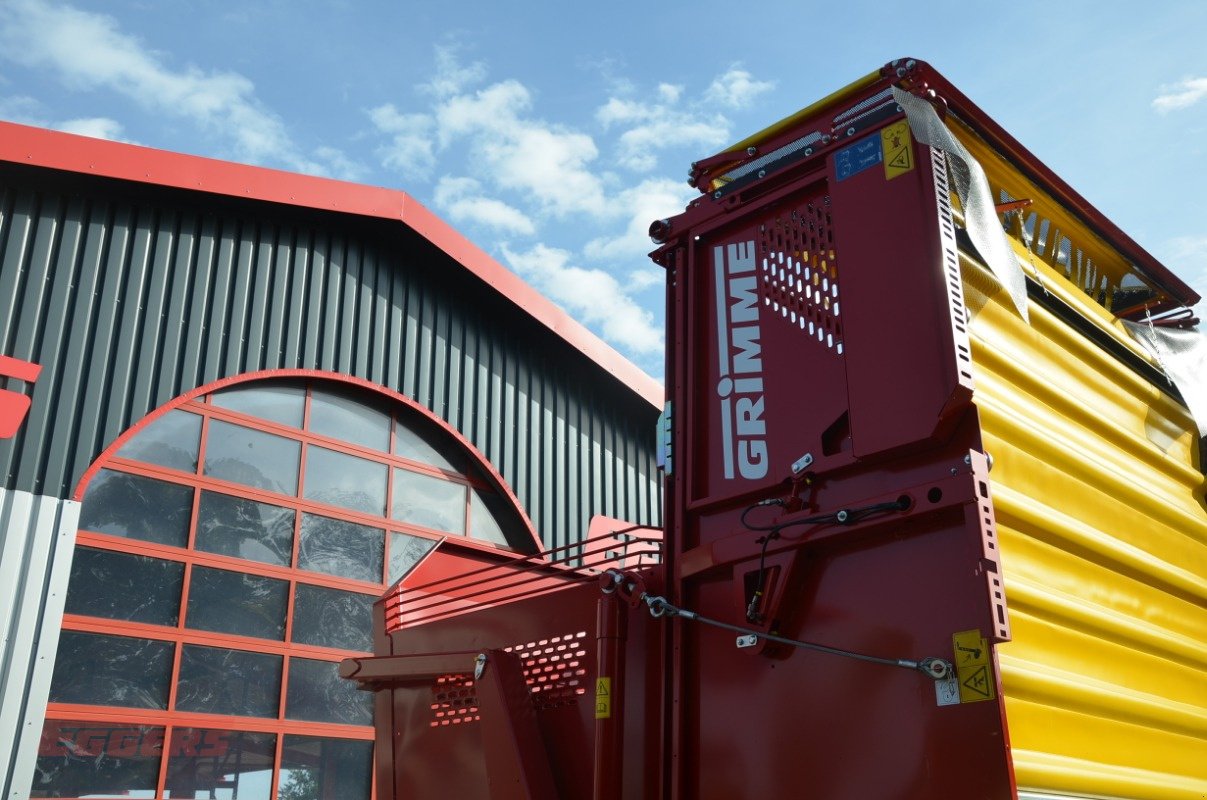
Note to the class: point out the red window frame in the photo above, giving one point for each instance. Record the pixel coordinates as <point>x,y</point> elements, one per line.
<point>198,402</point>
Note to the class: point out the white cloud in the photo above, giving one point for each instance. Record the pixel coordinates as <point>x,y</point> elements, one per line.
<point>590,295</point>
<point>737,88</point>
<point>523,154</point>
<point>647,278</point>
<point>1183,94</point>
<point>410,148</point>
<point>462,199</point>
<point>653,127</point>
<point>652,199</point>
<point>451,76</point>
<point>88,51</point>
<point>96,127</point>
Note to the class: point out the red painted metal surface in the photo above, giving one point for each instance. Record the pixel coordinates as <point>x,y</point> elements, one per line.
<point>13,405</point>
<point>829,488</point>
<point>21,144</point>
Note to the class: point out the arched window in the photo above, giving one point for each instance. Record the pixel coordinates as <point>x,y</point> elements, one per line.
<point>229,554</point>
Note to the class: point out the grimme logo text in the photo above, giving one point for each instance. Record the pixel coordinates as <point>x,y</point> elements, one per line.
<point>740,381</point>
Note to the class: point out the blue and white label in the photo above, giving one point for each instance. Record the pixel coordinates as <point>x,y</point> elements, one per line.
<point>855,158</point>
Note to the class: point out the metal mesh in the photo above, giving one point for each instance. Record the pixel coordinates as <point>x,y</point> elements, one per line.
<point>1183,356</point>
<point>980,218</point>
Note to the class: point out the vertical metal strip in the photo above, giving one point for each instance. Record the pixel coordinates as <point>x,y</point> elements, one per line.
<point>38,542</point>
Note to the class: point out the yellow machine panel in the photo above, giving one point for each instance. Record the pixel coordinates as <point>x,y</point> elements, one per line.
<point>1098,497</point>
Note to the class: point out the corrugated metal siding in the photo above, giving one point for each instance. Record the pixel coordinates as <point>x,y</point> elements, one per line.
<point>1103,533</point>
<point>36,539</point>
<point>130,296</point>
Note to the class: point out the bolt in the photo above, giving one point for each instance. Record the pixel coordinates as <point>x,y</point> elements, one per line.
<point>900,72</point>
<point>717,194</point>
<point>751,150</point>
<point>953,470</point>
<point>851,131</point>
<point>910,64</point>
<point>842,516</point>
<point>808,151</point>
<point>825,139</point>
<point>762,173</point>
<point>968,460</point>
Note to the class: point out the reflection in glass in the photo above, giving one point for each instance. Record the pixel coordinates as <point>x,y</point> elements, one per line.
<point>350,420</point>
<point>428,501</point>
<point>346,481</point>
<point>214,680</point>
<point>405,552</point>
<point>253,458</point>
<point>220,764</point>
<point>238,603</point>
<point>333,618</point>
<point>234,526</point>
<point>111,671</point>
<point>340,548</point>
<point>319,769</point>
<point>97,759</point>
<point>317,693</point>
<point>418,439</point>
<point>105,583</point>
<point>170,441</point>
<point>274,402</point>
<point>493,519</point>
<point>127,505</point>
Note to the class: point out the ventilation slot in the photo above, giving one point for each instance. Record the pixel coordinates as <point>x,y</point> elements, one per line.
<point>798,277</point>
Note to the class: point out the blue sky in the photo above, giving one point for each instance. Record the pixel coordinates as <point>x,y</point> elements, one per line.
<point>551,134</point>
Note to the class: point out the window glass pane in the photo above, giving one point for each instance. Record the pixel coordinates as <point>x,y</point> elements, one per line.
<point>138,508</point>
<point>493,519</point>
<point>235,526</point>
<point>124,586</point>
<point>97,759</point>
<point>332,618</point>
<point>342,480</point>
<point>340,416</point>
<point>405,552</point>
<point>428,501</point>
<point>220,764</point>
<point>276,403</point>
<point>111,671</point>
<point>170,441</point>
<point>341,548</point>
<point>238,603</point>
<point>214,680</point>
<point>418,439</point>
<point>317,769</point>
<point>253,458</point>
<point>317,692</point>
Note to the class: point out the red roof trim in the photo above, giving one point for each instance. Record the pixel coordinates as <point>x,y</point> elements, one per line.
<point>21,144</point>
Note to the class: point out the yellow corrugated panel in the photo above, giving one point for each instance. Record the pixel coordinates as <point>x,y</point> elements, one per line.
<point>1103,531</point>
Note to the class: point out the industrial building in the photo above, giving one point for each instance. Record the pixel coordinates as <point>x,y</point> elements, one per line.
<point>235,405</point>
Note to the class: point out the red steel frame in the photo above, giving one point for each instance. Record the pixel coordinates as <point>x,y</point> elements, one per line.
<point>196,402</point>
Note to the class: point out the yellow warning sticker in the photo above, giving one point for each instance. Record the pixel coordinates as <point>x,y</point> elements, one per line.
<point>973,671</point>
<point>898,149</point>
<point>603,698</point>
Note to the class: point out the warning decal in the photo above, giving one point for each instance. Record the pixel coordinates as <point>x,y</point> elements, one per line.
<point>898,148</point>
<point>603,698</point>
<point>854,159</point>
<point>973,671</point>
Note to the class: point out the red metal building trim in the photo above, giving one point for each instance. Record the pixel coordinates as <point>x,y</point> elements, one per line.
<point>21,144</point>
